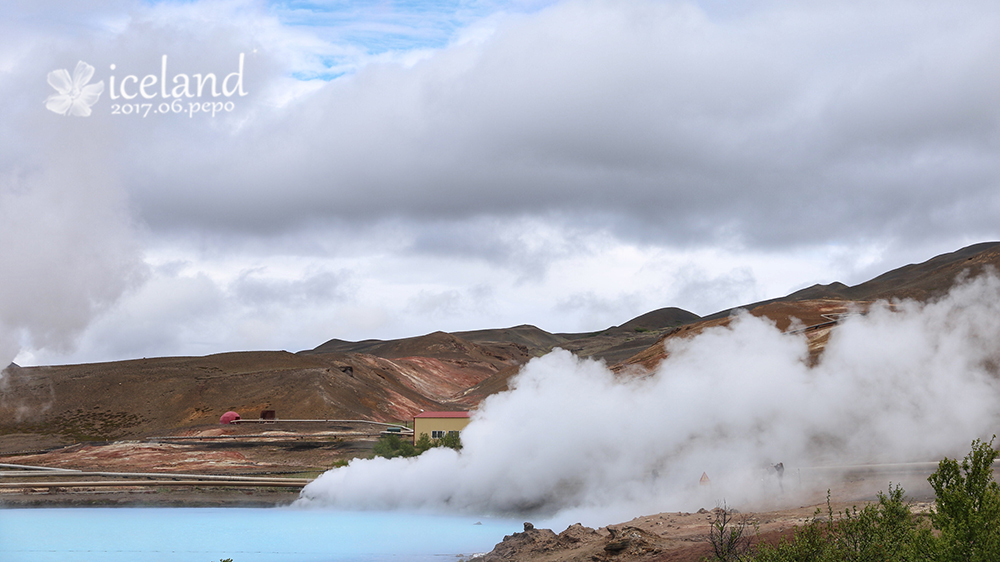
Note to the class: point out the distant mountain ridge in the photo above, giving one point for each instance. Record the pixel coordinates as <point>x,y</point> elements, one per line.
<point>813,305</point>
<point>919,281</point>
<point>618,343</point>
<point>612,344</point>
<point>395,379</point>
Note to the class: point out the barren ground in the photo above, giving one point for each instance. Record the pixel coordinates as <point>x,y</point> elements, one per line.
<point>228,451</point>
<point>683,536</point>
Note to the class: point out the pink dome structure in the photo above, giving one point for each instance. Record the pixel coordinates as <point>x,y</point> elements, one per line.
<point>229,417</point>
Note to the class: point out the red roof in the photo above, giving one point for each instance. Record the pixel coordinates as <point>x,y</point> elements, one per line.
<point>442,415</point>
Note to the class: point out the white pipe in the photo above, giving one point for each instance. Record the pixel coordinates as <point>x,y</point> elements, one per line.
<point>206,477</point>
<point>37,467</point>
<point>120,483</point>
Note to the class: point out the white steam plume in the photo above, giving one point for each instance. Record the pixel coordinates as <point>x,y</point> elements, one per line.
<point>68,248</point>
<point>907,383</point>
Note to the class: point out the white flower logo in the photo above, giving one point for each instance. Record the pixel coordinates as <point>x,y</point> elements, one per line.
<point>75,96</point>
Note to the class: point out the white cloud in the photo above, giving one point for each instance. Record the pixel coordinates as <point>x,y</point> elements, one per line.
<point>537,150</point>
<point>683,127</point>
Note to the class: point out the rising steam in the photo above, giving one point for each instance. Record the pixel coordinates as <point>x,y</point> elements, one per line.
<point>68,244</point>
<point>909,382</point>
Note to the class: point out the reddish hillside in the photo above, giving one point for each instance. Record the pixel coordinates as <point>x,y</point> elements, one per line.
<point>807,307</point>
<point>130,399</point>
<point>392,380</point>
<point>811,314</point>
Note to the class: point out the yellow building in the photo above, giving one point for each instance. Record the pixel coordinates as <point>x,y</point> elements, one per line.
<point>438,424</point>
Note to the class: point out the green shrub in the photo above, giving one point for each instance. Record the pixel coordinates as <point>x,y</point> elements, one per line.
<point>424,442</point>
<point>808,545</point>
<point>965,526</point>
<point>390,446</point>
<point>451,440</point>
<point>881,531</point>
<point>968,505</point>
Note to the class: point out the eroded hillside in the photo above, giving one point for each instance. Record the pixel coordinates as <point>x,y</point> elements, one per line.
<point>393,380</point>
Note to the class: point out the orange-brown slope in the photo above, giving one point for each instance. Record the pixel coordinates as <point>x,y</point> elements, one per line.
<point>129,399</point>
<point>921,281</point>
<point>443,366</point>
<point>809,306</point>
<point>811,316</point>
<point>491,385</point>
<point>441,380</point>
<point>446,367</point>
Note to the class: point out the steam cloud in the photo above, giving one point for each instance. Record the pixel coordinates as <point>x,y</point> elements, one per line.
<point>67,244</point>
<point>908,382</point>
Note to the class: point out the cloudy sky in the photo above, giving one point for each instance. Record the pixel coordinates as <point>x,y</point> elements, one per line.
<point>383,169</point>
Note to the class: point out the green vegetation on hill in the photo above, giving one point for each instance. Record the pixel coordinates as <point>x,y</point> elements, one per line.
<point>391,446</point>
<point>964,527</point>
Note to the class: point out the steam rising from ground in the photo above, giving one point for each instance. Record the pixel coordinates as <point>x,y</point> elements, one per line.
<point>68,248</point>
<point>910,383</point>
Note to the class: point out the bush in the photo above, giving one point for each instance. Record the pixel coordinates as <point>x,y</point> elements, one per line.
<point>390,446</point>
<point>968,505</point>
<point>423,443</point>
<point>729,535</point>
<point>966,523</point>
<point>882,531</point>
<point>809,545</point>
<point>451,440</point>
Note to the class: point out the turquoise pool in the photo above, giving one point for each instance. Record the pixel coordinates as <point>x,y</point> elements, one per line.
<point>243,534</point>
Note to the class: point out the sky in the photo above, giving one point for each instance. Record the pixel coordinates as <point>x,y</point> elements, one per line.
<point>387,169</point>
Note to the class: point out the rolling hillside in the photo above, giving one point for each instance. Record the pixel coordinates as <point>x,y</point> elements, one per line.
<point>393,380</point>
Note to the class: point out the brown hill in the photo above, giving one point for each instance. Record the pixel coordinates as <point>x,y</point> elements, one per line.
<point>811,307</point>
<point>613,345</point>
<point>147,397</point>
<point>931,278</point>
<point>535,339</point>
<point>812,316</point>
<point>920,281</point>
<point>393,380</point>
<point>439,345</point>
<point>659,319</point>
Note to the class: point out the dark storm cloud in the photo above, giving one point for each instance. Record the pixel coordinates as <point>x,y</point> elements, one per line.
<point>788,125</point>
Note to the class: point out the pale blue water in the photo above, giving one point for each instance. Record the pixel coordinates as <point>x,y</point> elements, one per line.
<point>243,534</point>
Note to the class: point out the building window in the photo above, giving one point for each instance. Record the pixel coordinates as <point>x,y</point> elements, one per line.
<point>437,434</point>
<point>452,433</point>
